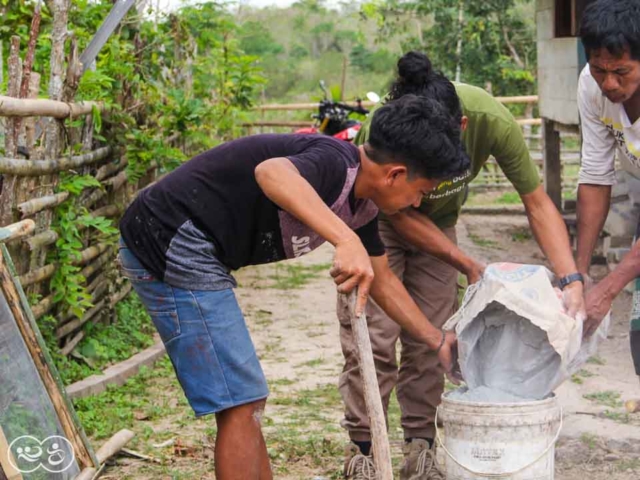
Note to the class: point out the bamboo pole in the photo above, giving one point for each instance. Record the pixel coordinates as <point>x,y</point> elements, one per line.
<point>368,104</point>
<point>529,121</point>
<point>42,239</point>
<point>114,445</point>
<point>35,344</point>
<point>73,325</point>
<point>36,205</point>
<point>26,168</point>
<point>95,266</point>
<point>13,89</point>
<point>373,402</point>
<point>110,168</point>
<point>43,307</point>
<point>16,230</point>
<point>40,107</point>
<point>38,275</point>
<point>90,253</point>
<point>118,296</point>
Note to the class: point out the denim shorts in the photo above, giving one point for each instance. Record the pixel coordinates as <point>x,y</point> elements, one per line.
<point>206,338</point>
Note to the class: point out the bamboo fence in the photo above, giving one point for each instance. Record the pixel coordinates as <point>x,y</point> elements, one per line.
<point>36,133</point>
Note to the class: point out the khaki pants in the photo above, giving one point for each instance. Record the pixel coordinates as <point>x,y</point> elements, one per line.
<point>432,284</point>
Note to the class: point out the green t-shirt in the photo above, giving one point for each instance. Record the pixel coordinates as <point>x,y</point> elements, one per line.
<point>491,131</point>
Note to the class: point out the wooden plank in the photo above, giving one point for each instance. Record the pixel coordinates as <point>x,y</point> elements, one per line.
<point>373,401</point>
<point>19,306</point>
<point>7,462</point>
<point>552,166</point>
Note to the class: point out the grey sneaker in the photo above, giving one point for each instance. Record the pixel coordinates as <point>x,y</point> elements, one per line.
<point>420,462</point>
<point>358,466</point>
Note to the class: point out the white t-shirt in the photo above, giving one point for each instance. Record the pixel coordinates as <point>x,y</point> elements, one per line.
<point>605,129</point>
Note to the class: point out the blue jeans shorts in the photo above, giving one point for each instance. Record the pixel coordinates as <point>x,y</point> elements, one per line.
<point>206,338</point>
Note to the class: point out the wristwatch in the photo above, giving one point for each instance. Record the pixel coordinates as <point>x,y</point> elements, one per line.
<point>574,277</point>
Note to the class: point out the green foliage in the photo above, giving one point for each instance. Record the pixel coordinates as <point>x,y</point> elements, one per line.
<point>103,344</point>
<point>67,284</point>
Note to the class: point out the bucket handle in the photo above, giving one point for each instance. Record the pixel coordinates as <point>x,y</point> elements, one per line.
<point>496,475</point>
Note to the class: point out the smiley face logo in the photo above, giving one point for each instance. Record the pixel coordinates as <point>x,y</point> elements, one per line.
<point>54,454</point>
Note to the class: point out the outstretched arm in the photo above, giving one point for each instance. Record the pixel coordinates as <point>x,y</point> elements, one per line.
<point>282,183</point>
<point>420,231</point>
<point>390,295</point>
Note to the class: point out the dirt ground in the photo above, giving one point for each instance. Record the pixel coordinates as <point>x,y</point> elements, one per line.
<point>290,310</point>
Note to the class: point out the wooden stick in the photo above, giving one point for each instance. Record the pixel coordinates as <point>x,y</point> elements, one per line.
<point>38,275</point>
<point>95,266</point>
<point>17,230</point>
<point>116,297</point>
<point>43,307</point>
<point>40,107</point>
<point>73,325</point>
<point>141,456</point>
<point>42,239</point>
<point>110,169</point>
<point>28,168</point>
<point>42,360</point>
<point>68,348</point>
<point>378,426</point>
<point>86,474</point>
<point>36,205</point>
<point>90,253</point>
<point>114,445</point>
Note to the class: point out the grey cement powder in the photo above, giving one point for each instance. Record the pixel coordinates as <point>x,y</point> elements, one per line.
<point>505,358</point>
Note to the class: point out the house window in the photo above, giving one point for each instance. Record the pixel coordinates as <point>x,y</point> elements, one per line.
<point>568,15</point>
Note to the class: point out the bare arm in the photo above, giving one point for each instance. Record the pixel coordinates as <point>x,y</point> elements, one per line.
<point>593,207</point>
<point>551,234</point>
<point>600,297</point>
<point>419,230</point>
<point>389,293</point>
<point>281,182</point>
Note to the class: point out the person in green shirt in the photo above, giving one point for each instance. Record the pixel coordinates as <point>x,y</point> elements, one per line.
<point>422,251</point>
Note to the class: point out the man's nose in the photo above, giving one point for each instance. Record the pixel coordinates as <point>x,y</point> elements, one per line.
<point>610,83</point>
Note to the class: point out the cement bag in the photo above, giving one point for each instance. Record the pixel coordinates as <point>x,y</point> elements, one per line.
<point>514,340</point>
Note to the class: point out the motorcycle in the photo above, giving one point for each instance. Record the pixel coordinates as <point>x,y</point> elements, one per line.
<point>333,117</point>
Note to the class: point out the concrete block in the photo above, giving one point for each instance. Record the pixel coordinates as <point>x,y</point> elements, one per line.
<point>558,53</point>
<point>545,4</point>
<point>116,374</point>
<point>545,24</point>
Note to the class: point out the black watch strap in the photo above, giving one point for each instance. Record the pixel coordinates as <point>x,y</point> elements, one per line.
<point>574,277</point>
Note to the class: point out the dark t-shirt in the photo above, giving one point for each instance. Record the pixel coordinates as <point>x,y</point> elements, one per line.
<point>210,214</point>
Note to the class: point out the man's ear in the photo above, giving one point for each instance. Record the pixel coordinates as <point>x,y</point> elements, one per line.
<point>395,172</point>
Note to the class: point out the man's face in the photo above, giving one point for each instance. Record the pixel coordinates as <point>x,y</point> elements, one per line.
<point>617,76</point>
<point>399,192</point>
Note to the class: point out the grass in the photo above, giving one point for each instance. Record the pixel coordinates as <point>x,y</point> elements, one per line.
<point>509,198</point>
<point>104,414</point>
<point>521,234</point>
<point>596,360</point>
<point>608,398</point>
<point>288,277</point>
<point>580,375</point>
<point>104,344</point>
<point>590,440</point>
<point>482,242</point>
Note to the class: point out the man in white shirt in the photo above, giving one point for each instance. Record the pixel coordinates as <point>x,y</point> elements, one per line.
<point>609,104</point>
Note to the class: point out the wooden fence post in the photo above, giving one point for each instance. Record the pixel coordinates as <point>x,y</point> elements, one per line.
<point>551,162</point>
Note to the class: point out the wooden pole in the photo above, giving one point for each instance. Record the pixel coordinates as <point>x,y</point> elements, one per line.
<point>35,344</point>
<point>6,461</point>
<point>552,169</point>
<point>378,425</point>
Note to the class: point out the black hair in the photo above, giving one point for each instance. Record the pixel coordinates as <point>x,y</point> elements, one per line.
<point>612,24</point>
<point>416,76</point>
<point>417,132</point>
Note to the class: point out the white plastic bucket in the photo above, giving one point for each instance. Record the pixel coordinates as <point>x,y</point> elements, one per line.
<point>514,441</point>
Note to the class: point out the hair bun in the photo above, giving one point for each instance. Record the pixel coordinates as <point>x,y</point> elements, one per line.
<point>414,68</point>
